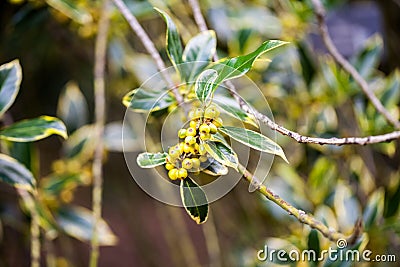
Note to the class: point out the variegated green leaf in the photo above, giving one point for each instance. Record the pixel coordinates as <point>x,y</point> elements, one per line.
<point>174,45</point>
<point>198,54</point>
<point>15,174</point>
<point>72,107</point>
<point>215,168</point>
<point>10,80</point>
<point>34,129</point>
<point>78,222</point>
<point>151,160</point>
<point>204,85</point>
<point>230,68</point>
<point>222,153</point>
<point>141,100</point>
<point>254,140</point>
<point>231,107</point>
<point>194,200</point>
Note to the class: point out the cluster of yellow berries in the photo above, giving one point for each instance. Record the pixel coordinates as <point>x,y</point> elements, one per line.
<point>190,152</point>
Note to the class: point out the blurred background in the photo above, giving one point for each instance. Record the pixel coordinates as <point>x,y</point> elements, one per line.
<point>307,92</point>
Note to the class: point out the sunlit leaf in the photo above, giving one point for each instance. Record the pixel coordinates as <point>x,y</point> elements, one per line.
<point>174,45</point>
<point>194,200</point>
<point>71,10</point>
<point>198,52</point>
<point>78,222</point>
<point>204,85</point>
<point>81,144</point>
<point>222,153</point>
<point>151,160</point>
<point>254,140</point>
<point>15,174</point>
<point>229,68</point>
<point>215,168</point>
<point>34,129</point>
<point>10,80</point>
<point>231,107</point>
<point>72,107</point>
<point>141,100</point>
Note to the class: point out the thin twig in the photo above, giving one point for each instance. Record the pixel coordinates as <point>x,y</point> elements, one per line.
<point>198,16</point>
<point>30,202</point>
<point>323,29</point>
<point>100,117</point>
<point>149,46</point>
<point>300,215</point>
<point>282,130</point>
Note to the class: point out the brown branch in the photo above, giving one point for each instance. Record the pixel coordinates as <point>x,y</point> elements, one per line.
<point>282,130</point>
<point>100,118</point>
<point>323,29</point>
<point>149,46</point>
<point>300,215</point>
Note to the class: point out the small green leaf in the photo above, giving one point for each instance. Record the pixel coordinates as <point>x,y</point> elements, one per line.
<point>230,107</point>
<point>71,10</point>
<point>78,222</point>
<point>151,160</point>
<point>72,107</point>
<point>230,68</point>
<point>222,153</point>
<point>194,200</point>
<point>81,144</point>
<point>34,129</point>
<point>374,209</point>
<point>204,85</point>
<point>15,174</point>
<point>254,140</point>
<point>141,100</point>
<point>215,168</point>
<point>174,45</point>
<point>10,80</point>
<point>199,52</point>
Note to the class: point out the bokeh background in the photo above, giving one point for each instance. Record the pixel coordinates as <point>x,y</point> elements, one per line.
<point>306,90</point>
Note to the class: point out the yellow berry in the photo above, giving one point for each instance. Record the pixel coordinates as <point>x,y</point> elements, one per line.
<point>187,164</point>
<point>203,158</point>
<point>198,113</point>
<point>190,140</point>
<point>205,136</point>
<point>192,150</point>
<point>173,174</point>
<point>169,166</point>
<point>210,112</point>
<point>195,163</point>
<point>193,124</point>
<point>204,128</point>
<point>182,133</point>
<point>191,131</point>
<point>213,128</point>
<point>191,114</point>
<point>174,153</point>
<point>186,148</point>
<point>182,173</point>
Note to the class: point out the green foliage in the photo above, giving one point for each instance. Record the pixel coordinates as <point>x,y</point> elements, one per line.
<point>194,200</point>
<point>254,140</point>
<point>10,79</point>
<point>15,174</point>
<point>34,129</point>
<point>151,160</point>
